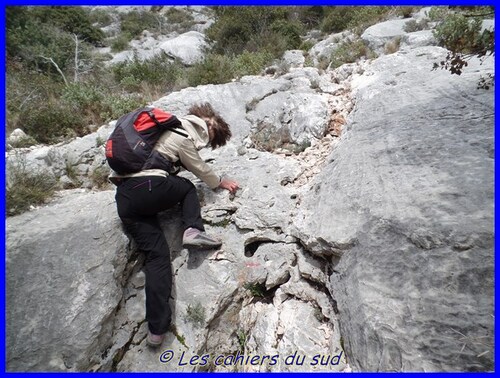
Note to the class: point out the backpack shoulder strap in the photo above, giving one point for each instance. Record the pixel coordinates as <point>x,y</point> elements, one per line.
<point>169,125</point>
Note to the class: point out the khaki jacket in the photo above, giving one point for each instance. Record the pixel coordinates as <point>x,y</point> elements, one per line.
<point>183,149</point>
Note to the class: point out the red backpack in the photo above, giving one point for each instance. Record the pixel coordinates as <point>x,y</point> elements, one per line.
<point>129,148</point>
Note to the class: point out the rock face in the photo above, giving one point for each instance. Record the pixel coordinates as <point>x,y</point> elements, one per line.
<point>222,300</point>
<point>410,210</point>
<point>65,263</point>
<point>370,246</point>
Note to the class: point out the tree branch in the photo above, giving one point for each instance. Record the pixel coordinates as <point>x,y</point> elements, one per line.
<point>75,77</point>
<point>56,66</point>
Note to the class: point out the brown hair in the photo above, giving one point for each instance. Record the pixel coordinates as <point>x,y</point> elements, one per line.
<point>221,130</point>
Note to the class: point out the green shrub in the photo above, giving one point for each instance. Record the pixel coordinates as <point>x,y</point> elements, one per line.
<point>26,188</point>
<point>99,141</point>
<point>406,11</point>
<point>337,19</point>
<point>25,90</point>
<point>356,18</point>
<point>135,22</point>
<point>250,63</point>
<point>254,29</point>
<point>311,16</point>
<point>290,31</point>
<point>414,25</point>
<point>460,33</point>
<point>269,42</point>
<point>100,16</point>
<point>71,19</point>
<point>214,69</point>
<point>159,72</point>
<point>116,105</point>
<point>438,13</point>
<point>350,52</point>
<point>306,45</point>
<point>120,42</point>
<point>51,121</point>
<point>309,61</point>
<point>37,43</point>
<point>178,16</point>
<point>179,19</point>
<point>72,174</point>
<point>37,34</point>
<point>195,314</point>
<point>365,17</point>
<point>242,339</point>
<point>86,97</point>
<point>23,142</point>
<point>255,289</point>
<point>96,105</point>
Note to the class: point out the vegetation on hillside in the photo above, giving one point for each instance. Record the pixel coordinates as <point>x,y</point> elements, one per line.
<point>59,87</point>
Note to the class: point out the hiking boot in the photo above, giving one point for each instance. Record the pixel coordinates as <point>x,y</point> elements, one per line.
<point>194,238</point>
<point>154,340</point>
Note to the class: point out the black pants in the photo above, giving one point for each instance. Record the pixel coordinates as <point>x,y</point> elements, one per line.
<point>139,200</point>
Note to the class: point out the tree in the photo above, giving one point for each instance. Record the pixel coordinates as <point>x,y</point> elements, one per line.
<point>73,20</point>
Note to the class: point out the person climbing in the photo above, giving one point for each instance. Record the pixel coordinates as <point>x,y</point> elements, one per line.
<point>142,195</point>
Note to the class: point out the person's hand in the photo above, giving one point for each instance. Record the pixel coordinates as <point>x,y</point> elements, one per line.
<point>228,184</point>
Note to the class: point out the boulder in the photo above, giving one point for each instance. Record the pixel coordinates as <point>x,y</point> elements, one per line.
<point>283,118</point>
<point>64,267</point>
<point>188,47</point>
<point>419,38</point>
<point>378,35</point>
<point>16,136</point>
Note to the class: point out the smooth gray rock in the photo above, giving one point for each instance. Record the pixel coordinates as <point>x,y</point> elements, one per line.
<point>295,117</point>
<point>419,38</point>
<point>378,35</point>
<point>64,264</point>
<point>16,136</point>
<point>407,201</point>
<point>188,47</point>
<point>293,58</point>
